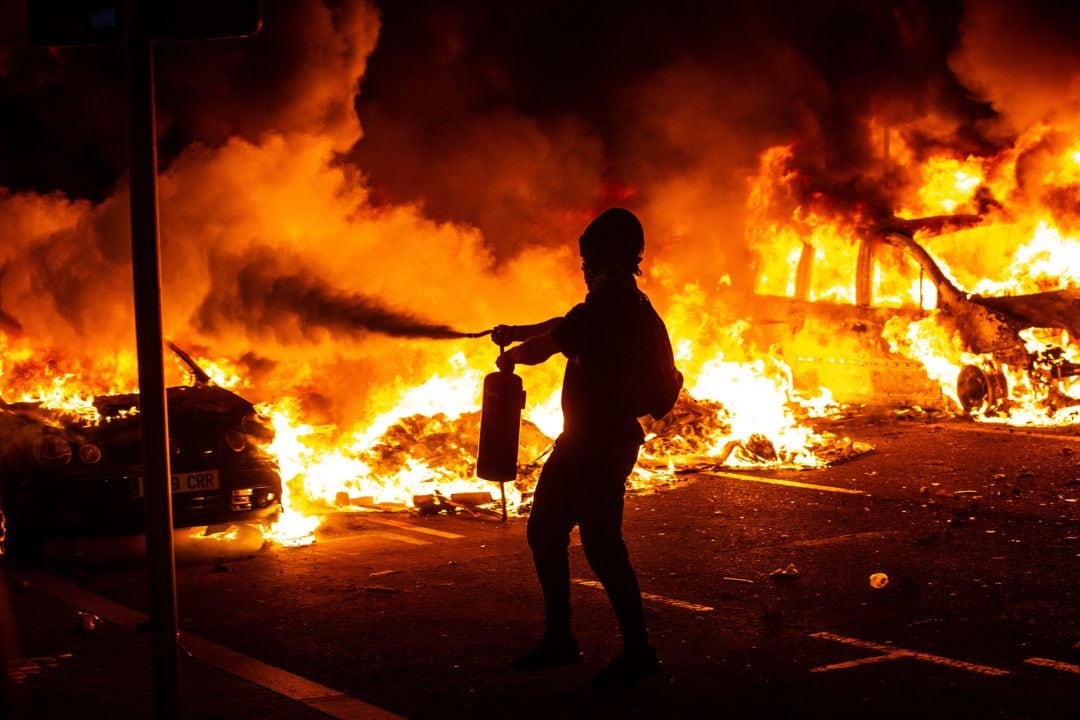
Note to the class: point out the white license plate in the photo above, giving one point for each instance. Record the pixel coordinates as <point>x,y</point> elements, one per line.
<point>198,481</point>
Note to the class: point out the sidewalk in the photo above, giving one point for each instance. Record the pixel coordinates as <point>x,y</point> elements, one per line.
<point>64,665</point>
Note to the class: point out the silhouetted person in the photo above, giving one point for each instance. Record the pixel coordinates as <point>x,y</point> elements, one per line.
<point>619,367</point>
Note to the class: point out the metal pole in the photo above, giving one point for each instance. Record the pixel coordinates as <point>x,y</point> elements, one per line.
<point>146,270</point>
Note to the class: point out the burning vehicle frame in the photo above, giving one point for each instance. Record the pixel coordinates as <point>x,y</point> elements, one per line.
<point>64,475</point>
<point>990,329</point>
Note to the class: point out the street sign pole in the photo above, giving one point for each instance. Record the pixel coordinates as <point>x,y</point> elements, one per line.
<point>140,22</point>
<point>153,415</point>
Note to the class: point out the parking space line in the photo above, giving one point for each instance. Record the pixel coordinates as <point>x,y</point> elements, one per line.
<point>414,528</point>
<point>1054,665</point>
<point>1003,429</point>
<point>855,663</point>
<point>682,604</point>
<point>400,538</point>
<point>788,483</point>
<point>890,652</point>
<point>833,539</point>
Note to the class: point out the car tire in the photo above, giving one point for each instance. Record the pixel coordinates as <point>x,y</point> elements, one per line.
<point>979,390</point>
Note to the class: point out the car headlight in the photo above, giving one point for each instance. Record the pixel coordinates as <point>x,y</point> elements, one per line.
<point>262,497</point>
<point>89,453</point>
<point>52,451</point>
<point>235,440</point>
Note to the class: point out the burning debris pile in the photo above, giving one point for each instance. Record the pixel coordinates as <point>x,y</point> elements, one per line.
<point>428,461</point>
<point>698,434</point>
<point>438,455</point>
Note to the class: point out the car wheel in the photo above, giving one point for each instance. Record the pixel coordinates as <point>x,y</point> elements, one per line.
<point>980,390</point>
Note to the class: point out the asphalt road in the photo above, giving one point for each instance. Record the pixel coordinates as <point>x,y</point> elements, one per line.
<point>977,529</point>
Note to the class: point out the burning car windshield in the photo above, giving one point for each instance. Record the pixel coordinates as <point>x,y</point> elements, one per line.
<point>177,372</point>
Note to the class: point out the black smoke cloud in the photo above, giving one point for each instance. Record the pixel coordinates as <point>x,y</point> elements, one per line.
<point>644,94</point>
<point>520,119</point>
<point>65,119</point>
<point>262,294</point>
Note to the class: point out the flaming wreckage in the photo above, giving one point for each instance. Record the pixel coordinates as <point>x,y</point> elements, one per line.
<point>63,474</point>
<point>991,327</point>
<point>989,330</point>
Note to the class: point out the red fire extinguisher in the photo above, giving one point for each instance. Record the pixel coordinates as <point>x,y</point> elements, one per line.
<point>500,426</point>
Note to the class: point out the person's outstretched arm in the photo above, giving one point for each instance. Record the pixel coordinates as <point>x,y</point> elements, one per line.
<point>533,351</point>
<point>504,335</point>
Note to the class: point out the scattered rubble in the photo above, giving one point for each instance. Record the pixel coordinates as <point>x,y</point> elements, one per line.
<point>87,621</point>
<point>789,572</point>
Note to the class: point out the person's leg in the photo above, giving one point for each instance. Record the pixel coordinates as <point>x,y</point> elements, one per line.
<point>600,523</point>
<point>605,549</point>
<point>550,523</point>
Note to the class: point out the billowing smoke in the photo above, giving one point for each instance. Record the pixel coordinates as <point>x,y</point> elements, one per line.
<point>354,178</point>
<point>1023,58</point>
<point>265,295</point>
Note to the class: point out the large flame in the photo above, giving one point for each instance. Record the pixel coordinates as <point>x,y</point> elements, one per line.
<point>304,257</point>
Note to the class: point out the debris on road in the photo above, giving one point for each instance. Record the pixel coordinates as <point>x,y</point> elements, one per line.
<point>790,572</point>
<point>87,621</point>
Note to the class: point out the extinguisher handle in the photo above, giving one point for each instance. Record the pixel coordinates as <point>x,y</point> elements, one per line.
<point>498,361</point>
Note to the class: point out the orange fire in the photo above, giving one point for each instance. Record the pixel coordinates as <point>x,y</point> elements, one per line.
<point>415,435</point>
<point>281,264</point>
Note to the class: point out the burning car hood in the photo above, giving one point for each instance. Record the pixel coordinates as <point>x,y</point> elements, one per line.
<point>194,400</point>
<point>1051,309</point>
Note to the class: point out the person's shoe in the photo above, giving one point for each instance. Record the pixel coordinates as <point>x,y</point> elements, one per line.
<point>550,652</point>
<point>629,667</point>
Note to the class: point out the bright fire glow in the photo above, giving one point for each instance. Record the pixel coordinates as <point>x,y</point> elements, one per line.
<point>415,445</point>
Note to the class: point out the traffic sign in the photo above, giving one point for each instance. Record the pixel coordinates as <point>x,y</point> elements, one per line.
<point>100,22</point>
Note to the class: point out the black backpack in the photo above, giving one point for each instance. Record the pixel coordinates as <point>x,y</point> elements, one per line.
<point>655,383</point>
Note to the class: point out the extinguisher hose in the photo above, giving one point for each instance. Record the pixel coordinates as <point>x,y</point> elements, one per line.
<point>482,333</point>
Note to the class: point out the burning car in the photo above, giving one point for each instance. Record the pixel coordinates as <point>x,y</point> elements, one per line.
<point>63,474</point>
<point>997,343</point>
<point>1019,334</point>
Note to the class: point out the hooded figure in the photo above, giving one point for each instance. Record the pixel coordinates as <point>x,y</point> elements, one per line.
<point>619,367</point>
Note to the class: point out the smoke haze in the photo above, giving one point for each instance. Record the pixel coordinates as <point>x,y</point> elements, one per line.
<point>359,170</point>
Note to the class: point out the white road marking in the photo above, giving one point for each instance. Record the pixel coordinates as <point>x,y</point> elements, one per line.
<point>408,539</point>
<point>415,528</point>
<point>1054,665</point>
<point>788,483</point>
<point>650,596</point>
<point>888,652</point>
<point>855,663</point>
<point>833,539</point>
<point>1002,429</point>
<point>327,700</point>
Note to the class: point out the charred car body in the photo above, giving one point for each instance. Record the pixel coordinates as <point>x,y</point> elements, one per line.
<point>63,476</point>
<point>840,344</point>
<point>992,326</point>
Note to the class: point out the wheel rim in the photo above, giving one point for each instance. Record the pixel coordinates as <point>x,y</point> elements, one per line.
<point>979,390</point>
